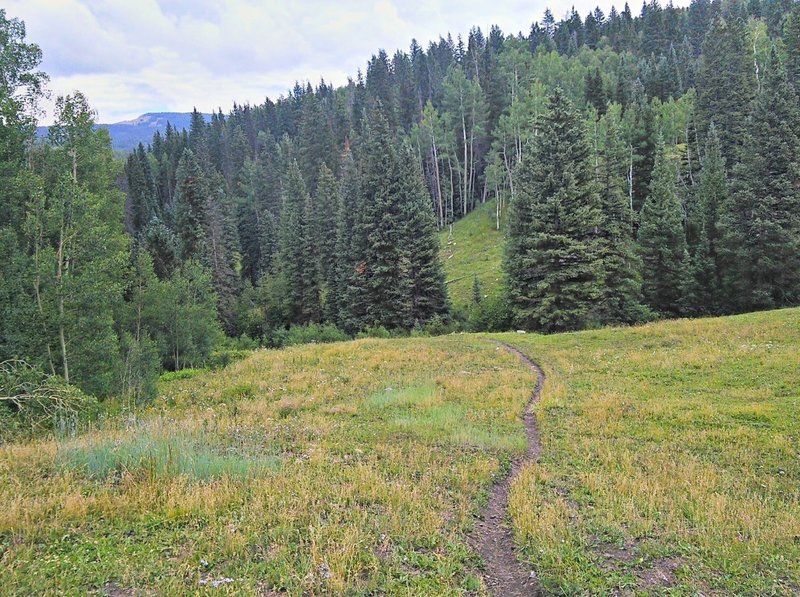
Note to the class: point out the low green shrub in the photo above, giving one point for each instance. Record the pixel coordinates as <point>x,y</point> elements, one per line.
<point>308,334</point>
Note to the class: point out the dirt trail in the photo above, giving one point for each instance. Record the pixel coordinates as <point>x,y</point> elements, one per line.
<point>504,574</point>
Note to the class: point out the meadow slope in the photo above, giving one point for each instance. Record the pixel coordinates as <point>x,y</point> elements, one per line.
<point>472,248</point>
<point>670,459</point>
<point>670,463</point>
<point>347,467</point>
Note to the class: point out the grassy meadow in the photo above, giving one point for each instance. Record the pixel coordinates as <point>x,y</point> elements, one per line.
<point>353,467</point>
<point>670,465</point>
<point>670,460</point>
<point>473,247</point>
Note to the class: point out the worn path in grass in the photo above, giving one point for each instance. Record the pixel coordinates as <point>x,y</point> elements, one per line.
<point>504,574</point>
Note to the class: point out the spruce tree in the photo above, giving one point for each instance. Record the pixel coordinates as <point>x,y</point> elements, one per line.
<point>397,281</point>
<point>296,265</point>
<point>191,211</point>
<point>342,303</point>
<point>323,221</point>
<point>726,84</point>
<point>791,39</point>
<point>142,201</point>
<point>712,194</point>
<point>622,292</point>
<point>553,261</point>
<point>419,244</point>
<point>376,295</point>
<point>662,239</point>
<point>762,219</point>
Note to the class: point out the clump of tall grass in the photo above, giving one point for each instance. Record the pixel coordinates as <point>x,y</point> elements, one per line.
<point>152,456</point>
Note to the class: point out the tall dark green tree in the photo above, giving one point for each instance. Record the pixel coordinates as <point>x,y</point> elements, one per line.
<point>726,84</point>
<point>622,301</point>
<point>762,218</point>
<point>297,265</point>
<point>326,203</point>
<point>191,211</point>
<point>340,308</point>
<point>662,240</point>
<point>142,201</point>
<point>712,195</point>
<point>553,260</point>
<point>394,261</point>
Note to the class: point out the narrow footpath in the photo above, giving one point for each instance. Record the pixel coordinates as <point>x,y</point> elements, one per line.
<point>505,576</point>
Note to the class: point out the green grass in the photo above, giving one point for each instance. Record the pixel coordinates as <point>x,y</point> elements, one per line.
<point>351,468</point>
<point>474,248</point>
<point>671,459</point>
<point>670,465</point>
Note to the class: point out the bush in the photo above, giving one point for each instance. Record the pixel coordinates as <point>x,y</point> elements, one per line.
<point>492,314</point>
<point>308,334</point>
<point>141,367</point>
<point>181,374</point>
<point>375,332</point>
<point>223,358</point>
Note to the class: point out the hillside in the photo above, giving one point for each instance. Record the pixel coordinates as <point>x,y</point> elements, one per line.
<point>669,462</point>
<point>126,135</point>
<point>473,247</point>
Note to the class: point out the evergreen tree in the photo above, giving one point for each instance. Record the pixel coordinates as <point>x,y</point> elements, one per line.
<point>553,262</point>
<point>622,292</point>
<point>191,213</point>
<point>419,245</point>
<point>397,281</point>
<point>297,265</point>
<point>712,194</point>
<point>595,94</point>
<point>762,218</point>
<point>142,201</point>
<point>726,84</point>
<point>326,204</point>
<point>340,303</point>
<point>791,38</point>
<point>662,240</point>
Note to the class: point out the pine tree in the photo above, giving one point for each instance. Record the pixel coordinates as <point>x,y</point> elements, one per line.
<point>296,264</point>
<point>342,303</point>
<point>191,212</point>
<point>791,38</point>
<point>420,247</point>
<point>762,218</point>
<point>552,259</point>
<point>726,84</point>
<point>712,194</point>
<point>594,92</point>
<point>662,240</point>
<point>397,281</point>
<point>142,199</point>
<point>327,202</point>
<point>622,292</point>
<point>643,149</point>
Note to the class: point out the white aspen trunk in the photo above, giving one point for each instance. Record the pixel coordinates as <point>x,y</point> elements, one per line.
<point>630,180</point>
<point>61,267</point>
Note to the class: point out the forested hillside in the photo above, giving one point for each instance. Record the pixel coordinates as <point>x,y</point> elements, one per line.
<point>642,166</point>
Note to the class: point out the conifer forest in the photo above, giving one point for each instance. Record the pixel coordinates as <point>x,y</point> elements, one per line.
<point>644,163</point>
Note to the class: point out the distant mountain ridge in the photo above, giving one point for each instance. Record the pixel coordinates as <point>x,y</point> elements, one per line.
<point>126,135</point>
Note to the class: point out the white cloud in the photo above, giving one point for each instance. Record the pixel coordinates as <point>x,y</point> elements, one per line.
<point>134,57</point>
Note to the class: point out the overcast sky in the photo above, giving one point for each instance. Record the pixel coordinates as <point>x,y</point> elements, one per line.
<point>136,56</point>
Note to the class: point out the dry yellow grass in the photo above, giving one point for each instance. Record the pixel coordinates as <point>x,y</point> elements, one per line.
<point>349,467</point>
<point>671,459</point>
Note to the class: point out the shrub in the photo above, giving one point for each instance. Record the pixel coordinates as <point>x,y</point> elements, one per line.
<point>375,332</point>
<point>492,314</point>
<point>308,334</point>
